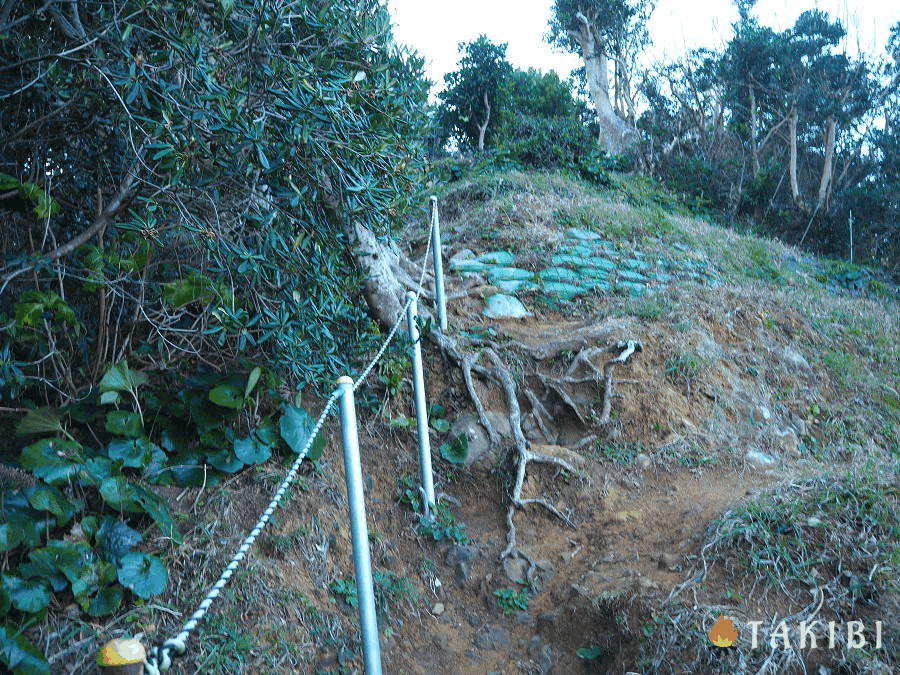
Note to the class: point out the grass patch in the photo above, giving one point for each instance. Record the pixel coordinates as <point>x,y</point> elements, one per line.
<point>840,531</point>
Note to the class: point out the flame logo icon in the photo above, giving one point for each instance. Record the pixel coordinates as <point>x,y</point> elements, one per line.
<point>722,634</point>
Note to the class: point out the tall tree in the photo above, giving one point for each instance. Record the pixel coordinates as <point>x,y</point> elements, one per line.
<point>473,94</point>
<point>604,32</point>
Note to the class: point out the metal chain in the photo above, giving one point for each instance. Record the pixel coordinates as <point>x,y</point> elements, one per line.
<point>159,659</point>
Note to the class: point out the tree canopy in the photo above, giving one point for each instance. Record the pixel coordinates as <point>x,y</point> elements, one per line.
<point>181,176</point>
<point>473,94</point>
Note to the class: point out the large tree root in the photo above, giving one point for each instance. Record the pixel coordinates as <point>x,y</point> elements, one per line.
<point>499,374</point>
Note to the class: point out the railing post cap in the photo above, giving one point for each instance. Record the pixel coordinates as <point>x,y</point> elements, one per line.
<point>434,198</point>
<point>344,379</point>
<point>410,294</point>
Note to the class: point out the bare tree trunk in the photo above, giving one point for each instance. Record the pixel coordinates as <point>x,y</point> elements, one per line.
<point>825,184</point>
<point>795,185</point>
<point>615,135</point>
<point>482,128</point>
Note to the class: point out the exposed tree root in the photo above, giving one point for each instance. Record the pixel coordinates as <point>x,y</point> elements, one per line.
<point>499,374</point>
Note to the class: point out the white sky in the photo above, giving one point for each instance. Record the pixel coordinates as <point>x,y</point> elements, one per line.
<point>435,29</point>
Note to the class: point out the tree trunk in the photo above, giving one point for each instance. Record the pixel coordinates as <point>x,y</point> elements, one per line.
<point>483,127</point>
<point>795,185</point>
<point>615,135</point>
<point>825,184</point>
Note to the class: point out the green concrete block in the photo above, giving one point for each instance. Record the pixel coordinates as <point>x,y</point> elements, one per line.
<point>631,287</point>
<point>563,290</point>
<point>628,275</point>
<point>504,258</point>
<point>560,274</point>
<point>496,274</point>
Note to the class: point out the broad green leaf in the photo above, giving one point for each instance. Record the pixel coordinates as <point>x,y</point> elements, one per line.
<point>27,595</point>
<point>296,426</point>
<point>19,655</point>
<point>10,536</point>
<point>252,380</point>
<point>104,602</point>
<point>115,539</point>
<point>18,528</point>
<point>67,557</point>
<point>590,653</point>
<point>41,421</point>
<point>96,470</point>
<point>135,454</point>
<point>159,510</point>
<point>142,574</point>
<point>89,527</point>
<point>436,410</point>
<point>124,423</point>
<point>48,498</point>
<point>53,460</point>
<point>121,378</point>
<point>441,425</point>
<point>227,396</point>
<point>108,397</point>
<point>95,574</point>
<point>120,494</point>
<point>456,451</point>
<point>225,460</point>
<point>251,452</point>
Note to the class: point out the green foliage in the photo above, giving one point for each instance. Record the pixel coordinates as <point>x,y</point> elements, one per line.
<point>483,70</point>
<point>83,544</point>
<point>457,450</point>
<point>549,142</point>
<point>442,524</point>
<point>590,652</point>
<point>44,205</point>
<point>242,254</point>
<point>512,600</point>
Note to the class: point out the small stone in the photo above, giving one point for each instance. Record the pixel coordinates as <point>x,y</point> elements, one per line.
<point>459,558</point>
<point>642,461</point>
<point>492,637</point>
<point>760,460</point>
<point>647,584</point>
<point>515,569</point>
<point>501,306</point>
<point>438,609</point>
<point>534,646</point>
<point>441,641</point>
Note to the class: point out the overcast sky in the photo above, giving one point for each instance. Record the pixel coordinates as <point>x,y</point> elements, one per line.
<point>435,29</point>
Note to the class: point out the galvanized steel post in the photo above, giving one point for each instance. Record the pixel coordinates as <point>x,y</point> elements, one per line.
<point>438,263</point>
<point>365,590</point>
<point>421,411</point>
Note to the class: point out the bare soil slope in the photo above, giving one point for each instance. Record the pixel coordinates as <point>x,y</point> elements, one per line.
<point>758,375</point>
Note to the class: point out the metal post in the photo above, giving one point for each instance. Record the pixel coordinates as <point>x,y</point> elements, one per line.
<point>365,590</point>
<point>438,263</point>
<point>421,411</point>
